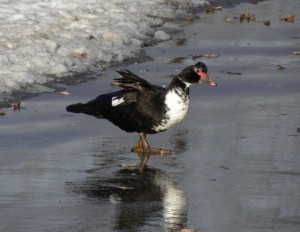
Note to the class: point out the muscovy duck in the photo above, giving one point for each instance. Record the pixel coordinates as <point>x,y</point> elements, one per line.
<point>145,108</point>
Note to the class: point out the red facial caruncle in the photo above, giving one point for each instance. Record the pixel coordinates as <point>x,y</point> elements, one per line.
<point>204,77</point>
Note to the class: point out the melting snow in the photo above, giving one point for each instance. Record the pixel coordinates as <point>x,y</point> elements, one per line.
<point>43,38</point>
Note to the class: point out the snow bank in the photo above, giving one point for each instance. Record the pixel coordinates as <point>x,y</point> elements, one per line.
<point>47,39</point>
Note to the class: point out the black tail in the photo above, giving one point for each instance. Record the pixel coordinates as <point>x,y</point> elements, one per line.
<point>88,108</point>
<point>76,108</point>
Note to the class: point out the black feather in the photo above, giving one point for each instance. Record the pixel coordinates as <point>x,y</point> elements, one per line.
<point>131,81</point>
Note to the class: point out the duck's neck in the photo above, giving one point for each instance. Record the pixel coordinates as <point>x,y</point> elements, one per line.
<point>179,84</point>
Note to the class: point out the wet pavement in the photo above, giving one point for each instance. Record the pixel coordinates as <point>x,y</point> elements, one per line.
<point>235,162</point>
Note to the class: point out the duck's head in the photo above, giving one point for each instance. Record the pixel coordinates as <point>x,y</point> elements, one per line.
<point>196,74</point>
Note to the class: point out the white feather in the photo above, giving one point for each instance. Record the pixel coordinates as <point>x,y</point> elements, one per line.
<point>117,101</point>
<point>177,102</point>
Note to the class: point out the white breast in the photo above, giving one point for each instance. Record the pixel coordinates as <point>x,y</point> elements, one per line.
<point>177,103</point>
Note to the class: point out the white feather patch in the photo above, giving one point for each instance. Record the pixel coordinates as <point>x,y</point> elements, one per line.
<point>117,101</point>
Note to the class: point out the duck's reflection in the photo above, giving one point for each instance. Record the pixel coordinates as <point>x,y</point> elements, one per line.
<point>150,200</point>
<point>144,198</point>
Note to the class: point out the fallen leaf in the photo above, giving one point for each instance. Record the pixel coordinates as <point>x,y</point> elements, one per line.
<point>289,18</point>
<point>252,18</point>
<point>83,55</point>
<point>218,8</point>
<point>16,106</point>
<point>187,230</point>
<point>267,23</point>
<point>207,56</point>
<point>2,113</point>
<point>229,20</point>
<point>296,53</point>
<point>209,10</point>
<point>247,16</point>
<point>65,93</point>
<point>242,17</point>
<point>129,165</point>
<point>280,67</point>
<point>210,55</point>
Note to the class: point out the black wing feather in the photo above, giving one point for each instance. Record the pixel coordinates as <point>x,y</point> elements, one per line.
<point>131,81</point>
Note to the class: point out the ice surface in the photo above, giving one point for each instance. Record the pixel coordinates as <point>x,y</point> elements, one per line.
<point>44,39</point>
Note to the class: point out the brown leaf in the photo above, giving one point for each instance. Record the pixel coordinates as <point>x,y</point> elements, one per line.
<point>207,56</point>
<point>289,18</point>
<point>296,53</point>
<point>2,113</point>
<point>242,17</point>
<point>208,10</point>
<point>210,55</point>
<point>218,8</point>
<point>16,106</point>
<point>83,55</point>
<point>247,16</point>
<point>213,9</point>
<point>267,23</point>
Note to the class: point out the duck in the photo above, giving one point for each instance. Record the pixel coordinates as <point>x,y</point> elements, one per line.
<point>145,108</point>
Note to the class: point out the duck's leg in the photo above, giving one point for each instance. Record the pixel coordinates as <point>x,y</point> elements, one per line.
<point>143,146</point>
